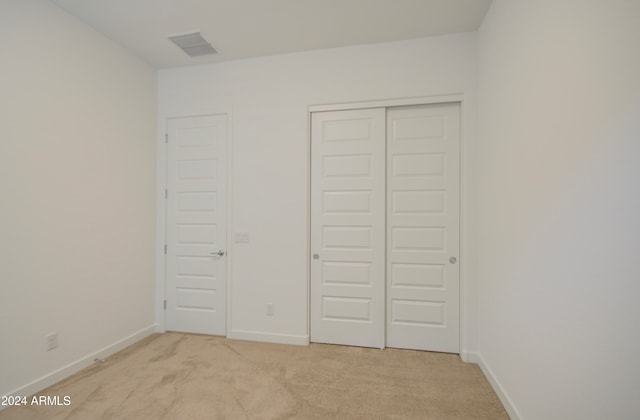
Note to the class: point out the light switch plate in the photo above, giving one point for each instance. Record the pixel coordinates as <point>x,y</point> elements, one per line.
<point>242,237</point>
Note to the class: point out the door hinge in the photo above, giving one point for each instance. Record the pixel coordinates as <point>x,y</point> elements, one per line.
<point>166,137</point>
<point>165,304</point>
<point>166,194</point>
<point>165,249</point>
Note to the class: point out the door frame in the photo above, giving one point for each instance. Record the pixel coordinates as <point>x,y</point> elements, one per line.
<point>465,264</point>
<point>161,218</point>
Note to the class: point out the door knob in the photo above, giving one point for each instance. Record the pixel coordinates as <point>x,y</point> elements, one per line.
<point>453,260</point>
<point>219,253</point>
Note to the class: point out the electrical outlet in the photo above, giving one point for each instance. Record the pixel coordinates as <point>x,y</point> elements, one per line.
<point>52,341</point>
<point>270,309</point>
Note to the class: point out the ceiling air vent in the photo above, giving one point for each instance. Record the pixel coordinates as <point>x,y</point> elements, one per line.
<point>193,44</point>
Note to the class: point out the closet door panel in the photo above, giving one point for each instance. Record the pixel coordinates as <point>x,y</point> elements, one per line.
<point>423,184</point>
<point>348,227</point>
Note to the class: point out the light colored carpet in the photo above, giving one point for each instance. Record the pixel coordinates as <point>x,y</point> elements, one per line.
<point>186,376</point>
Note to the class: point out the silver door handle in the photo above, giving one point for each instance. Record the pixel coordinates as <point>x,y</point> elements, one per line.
<point>219,253</point>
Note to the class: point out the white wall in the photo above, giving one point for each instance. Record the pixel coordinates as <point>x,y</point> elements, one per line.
<point>269,98</point>
<point>559,206</point>
<point>77,178</point>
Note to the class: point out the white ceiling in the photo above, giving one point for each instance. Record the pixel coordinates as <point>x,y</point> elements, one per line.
<point>251,28</point>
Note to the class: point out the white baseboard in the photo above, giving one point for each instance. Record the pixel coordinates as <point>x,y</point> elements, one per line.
<point>75,367</point>
<point>495,384</point>
<point>470,357</point>
<point>467,356</point>
<point>298,340</point>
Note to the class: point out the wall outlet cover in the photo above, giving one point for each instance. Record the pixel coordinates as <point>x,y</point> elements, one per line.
<point>241,237</point>
<point>52,341</point>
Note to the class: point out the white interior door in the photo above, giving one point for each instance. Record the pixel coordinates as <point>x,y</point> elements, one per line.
<point>347,228</point>
<point>196,224</point>
<point>423,189</point>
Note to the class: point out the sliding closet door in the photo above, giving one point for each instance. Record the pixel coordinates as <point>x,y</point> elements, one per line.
<point>423,189</point>
<point>348,227</point>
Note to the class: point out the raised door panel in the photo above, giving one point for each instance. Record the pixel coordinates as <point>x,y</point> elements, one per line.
<point>347,227</point>
<point>423,227</point>
<point>196,225</point>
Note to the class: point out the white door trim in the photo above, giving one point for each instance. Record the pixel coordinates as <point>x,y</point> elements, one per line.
<point>463,260</point>
<point>161,215</point>
<point>387,103</point>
